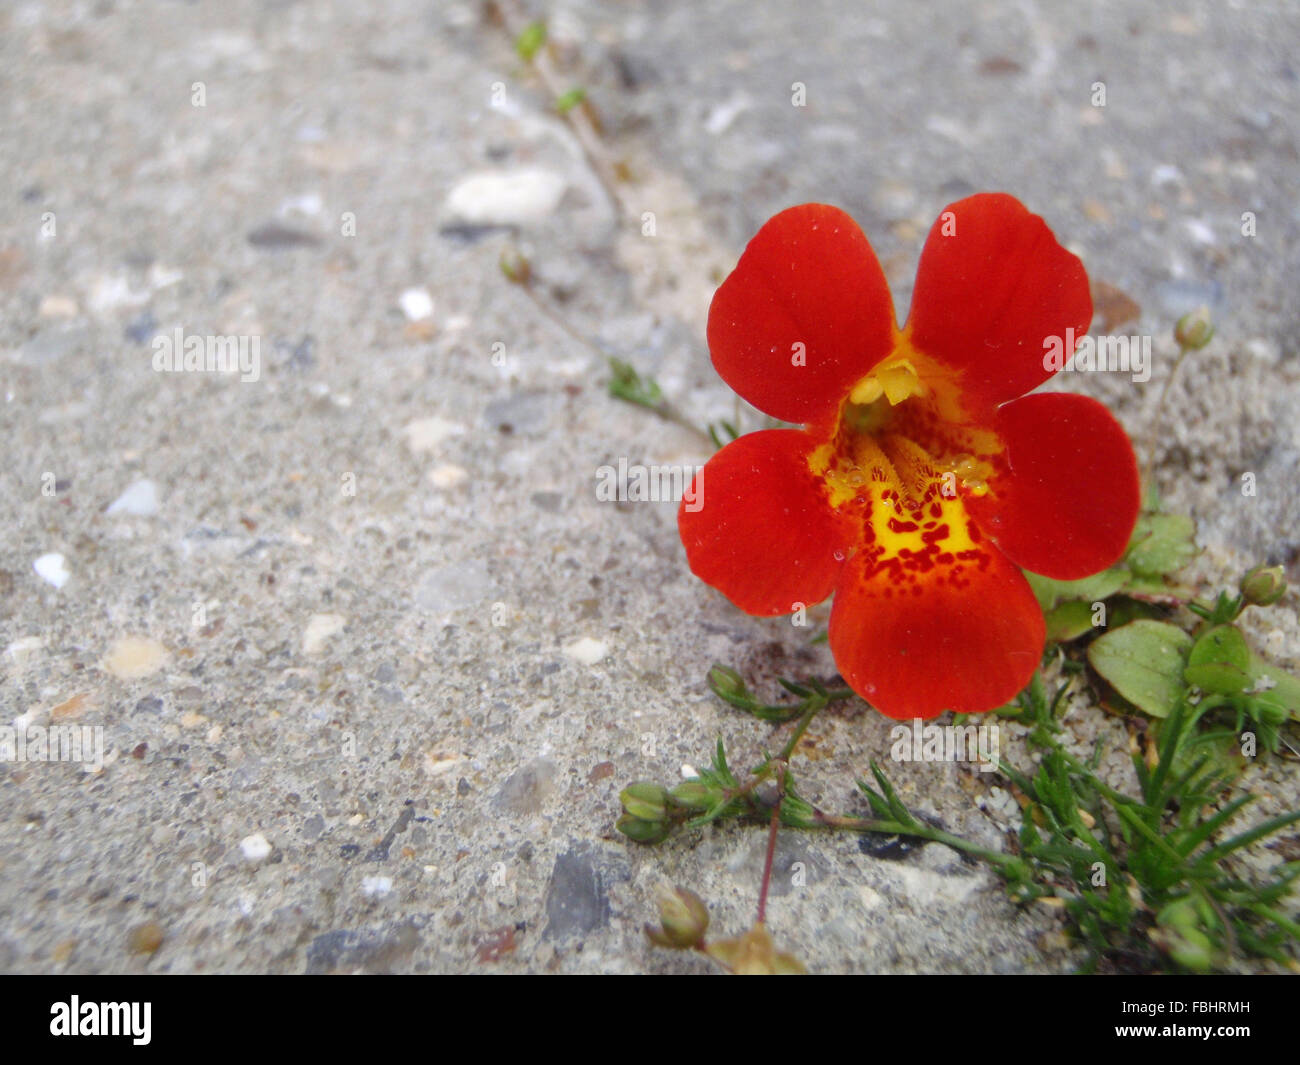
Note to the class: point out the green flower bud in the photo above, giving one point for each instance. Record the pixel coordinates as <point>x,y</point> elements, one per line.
<point>727,682</point>
<point>1194,329</point>
<point>693,794</point>
<point>516,267</point>
<point>645,799</point>
<point>1182,932</point>
<point>642,831</point>
<point>1264,585</point>
<point>684,919</point>
<point>1189,947</point>
<point>1181,914</point>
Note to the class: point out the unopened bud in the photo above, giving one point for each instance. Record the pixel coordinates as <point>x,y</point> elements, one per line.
<point>683,920</point>
<point>1190,947</point>
<point>693,794</point>
<point>726,681</point>
<point>645,799</point>
<point>1264,585</point>
<point>1194,329</point>
<point>1180,915</point>
<point>642,831</point>
<point>516,267</point>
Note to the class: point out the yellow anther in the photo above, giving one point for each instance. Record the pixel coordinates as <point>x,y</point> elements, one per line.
<point>896,381</point>
<point>868,390</point>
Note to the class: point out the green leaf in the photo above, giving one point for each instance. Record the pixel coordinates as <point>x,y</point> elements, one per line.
<point>1069,621</point>
<point>628,385</point>
<point>1089,590</point>
<point>1219,661</point>
<point>796,811</point>
<point>530,41</point>
<point>1284,692</point>
<point>895,805</point>
<point>1161,544</point>
<point>1223,643</point>
<point>1244,839</point>
<point>569,100</point>
<point>721,768</point>
<point>1144,662</point>
<point>1156,588</point>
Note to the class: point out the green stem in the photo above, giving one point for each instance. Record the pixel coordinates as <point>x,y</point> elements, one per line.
<point>664,409</point>
<point>919,831</point>
<point>816,703</point>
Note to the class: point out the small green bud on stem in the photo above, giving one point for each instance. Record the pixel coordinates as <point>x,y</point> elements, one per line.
<point>1195,329</point>
<point>1263,585</point>
<point>645,800</point>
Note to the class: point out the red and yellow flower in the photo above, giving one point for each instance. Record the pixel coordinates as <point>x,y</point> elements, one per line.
<point>924,476</point>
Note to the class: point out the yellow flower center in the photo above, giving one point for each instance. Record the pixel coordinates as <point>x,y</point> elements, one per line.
<point>902,429</point>
<point>896,380</point>
<point>901,457</point>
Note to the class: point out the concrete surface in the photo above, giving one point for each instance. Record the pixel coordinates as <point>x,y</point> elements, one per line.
<point>370,659</point>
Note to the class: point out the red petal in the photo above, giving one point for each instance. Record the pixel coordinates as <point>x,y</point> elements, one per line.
<point>963,636</point>
<point>808,277</point>
<point>1065,496</point>
<point>993,287</point>
<point>763,534</point>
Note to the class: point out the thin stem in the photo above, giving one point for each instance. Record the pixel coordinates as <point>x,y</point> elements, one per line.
<point>664,409</point>
<point>771,846</point>
<point>1157,419</point>
<point>814,705</point>
<point>577,118</point>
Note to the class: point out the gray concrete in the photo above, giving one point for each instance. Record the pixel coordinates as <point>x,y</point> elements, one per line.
<point>358,728</point>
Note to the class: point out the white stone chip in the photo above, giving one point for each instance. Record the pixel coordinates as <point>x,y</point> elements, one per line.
<point>376,887</point>
<point>416,304</point>
<point>587,651</point>
<point>256,847</point>
<point>320,627</point>
<point>133,657</point>
<point>448,476</point>
<point>53,568</point>
<point>427,433</point>
<point>506,197</point>
<point>140,498</point>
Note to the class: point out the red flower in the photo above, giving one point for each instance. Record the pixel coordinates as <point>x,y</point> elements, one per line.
<point>924,475</point>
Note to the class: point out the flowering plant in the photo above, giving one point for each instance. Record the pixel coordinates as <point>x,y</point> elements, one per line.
<point>925,476</point>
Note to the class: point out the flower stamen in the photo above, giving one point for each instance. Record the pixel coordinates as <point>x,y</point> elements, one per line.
<point>895,379</point>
